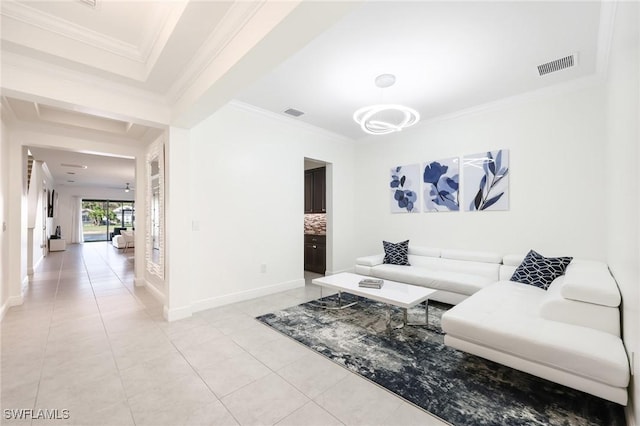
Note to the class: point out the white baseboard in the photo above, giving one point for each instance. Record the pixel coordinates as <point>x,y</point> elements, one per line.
<point>15,300</point>
<point>241,296</point>
<point>154,291</point>
<point>227,299</point>
<point>139,282</point>
<point>3,309</point>
<point>177,313</point>
<point>11,301</point>
<point>31,269</point>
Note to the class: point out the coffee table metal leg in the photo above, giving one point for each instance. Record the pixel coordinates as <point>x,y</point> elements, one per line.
<point>326,305</point>
<point>422,324</point>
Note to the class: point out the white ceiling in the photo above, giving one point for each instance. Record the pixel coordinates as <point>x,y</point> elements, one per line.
<point>144,44</point>
<point>101,171</point>
<point>447,56</point>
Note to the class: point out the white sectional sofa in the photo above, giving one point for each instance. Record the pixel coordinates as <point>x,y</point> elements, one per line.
<point>568,334</point>
<point>456,274</point>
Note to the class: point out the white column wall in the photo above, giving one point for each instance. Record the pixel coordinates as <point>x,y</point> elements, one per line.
<point>556,185</point>
<point>17,221</point>
<point>620,172</point>
<point>247,204</point>
<point>4,218</point>
<point>177,245</point>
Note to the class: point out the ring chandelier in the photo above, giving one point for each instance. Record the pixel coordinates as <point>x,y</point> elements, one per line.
<point>382,119</point>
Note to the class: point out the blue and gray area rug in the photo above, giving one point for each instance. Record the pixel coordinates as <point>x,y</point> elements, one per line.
<point>415,364</point>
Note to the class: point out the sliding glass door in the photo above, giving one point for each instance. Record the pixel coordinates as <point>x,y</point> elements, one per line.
<point>102,218</point>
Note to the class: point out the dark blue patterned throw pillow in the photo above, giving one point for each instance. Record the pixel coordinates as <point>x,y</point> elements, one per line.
<point>540,271</point>
<point>396,253</point>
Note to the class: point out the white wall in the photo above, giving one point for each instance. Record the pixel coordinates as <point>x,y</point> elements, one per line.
<point>556,185</point>
<point>621,178</point>
<point>247,197</point>
<point>4,220</point>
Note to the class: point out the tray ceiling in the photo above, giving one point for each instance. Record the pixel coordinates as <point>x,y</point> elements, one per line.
<point>446,56</point>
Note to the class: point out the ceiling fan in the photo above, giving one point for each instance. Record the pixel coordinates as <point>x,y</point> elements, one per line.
<point>127,188</point>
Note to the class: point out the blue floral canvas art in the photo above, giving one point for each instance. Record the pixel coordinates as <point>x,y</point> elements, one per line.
<point>441,181</point>
<point>486,181</point>
<point>405,188</point>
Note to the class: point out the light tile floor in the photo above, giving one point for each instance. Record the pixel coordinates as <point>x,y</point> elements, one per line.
<point>87,341</point>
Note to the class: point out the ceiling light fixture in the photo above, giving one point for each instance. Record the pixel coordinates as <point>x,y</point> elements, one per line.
<point>126,188</point>
<point>382,119</point>
<point>77,166</point>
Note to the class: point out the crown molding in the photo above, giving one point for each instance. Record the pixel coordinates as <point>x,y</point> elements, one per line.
<point>32,80</point>
<point>288,121</point>
<point>154,44</point>
<point>135,61</point>
<point>235,19</point>
<point>23,64</point>
<point>30,16</point>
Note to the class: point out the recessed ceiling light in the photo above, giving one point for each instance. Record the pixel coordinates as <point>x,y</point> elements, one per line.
<point>77,166</point>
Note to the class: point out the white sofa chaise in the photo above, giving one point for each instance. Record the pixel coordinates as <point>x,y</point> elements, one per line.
<point>456,274</point>
<point>568,334</point>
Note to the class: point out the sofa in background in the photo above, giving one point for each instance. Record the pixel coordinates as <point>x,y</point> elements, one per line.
<point>568,333</point>
<point>125,240</point>
<point>116,231</point>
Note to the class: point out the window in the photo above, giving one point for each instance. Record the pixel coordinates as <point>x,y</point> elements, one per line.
<point>101,218</point>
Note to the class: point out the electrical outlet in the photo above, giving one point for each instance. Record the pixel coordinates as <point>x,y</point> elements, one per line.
<point>195,225</point>
<point>263,268</point>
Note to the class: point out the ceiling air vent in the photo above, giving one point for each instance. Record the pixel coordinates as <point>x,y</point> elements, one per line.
<point>558,64</point>
<point>294,112</point>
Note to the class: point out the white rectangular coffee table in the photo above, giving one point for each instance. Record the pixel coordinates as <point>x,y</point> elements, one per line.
<point>392,293</point>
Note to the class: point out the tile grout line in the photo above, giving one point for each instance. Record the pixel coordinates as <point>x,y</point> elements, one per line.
<point>84,263</point>
<point>203,380</point>
<point>46,345</point>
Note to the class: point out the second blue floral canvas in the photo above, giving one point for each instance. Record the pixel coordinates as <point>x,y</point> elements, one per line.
<point>441,182</point>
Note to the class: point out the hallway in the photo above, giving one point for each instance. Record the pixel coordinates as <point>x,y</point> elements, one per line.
<point>92,349</point>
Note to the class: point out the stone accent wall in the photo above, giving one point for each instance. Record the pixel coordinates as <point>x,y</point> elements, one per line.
<point>315,223</point>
